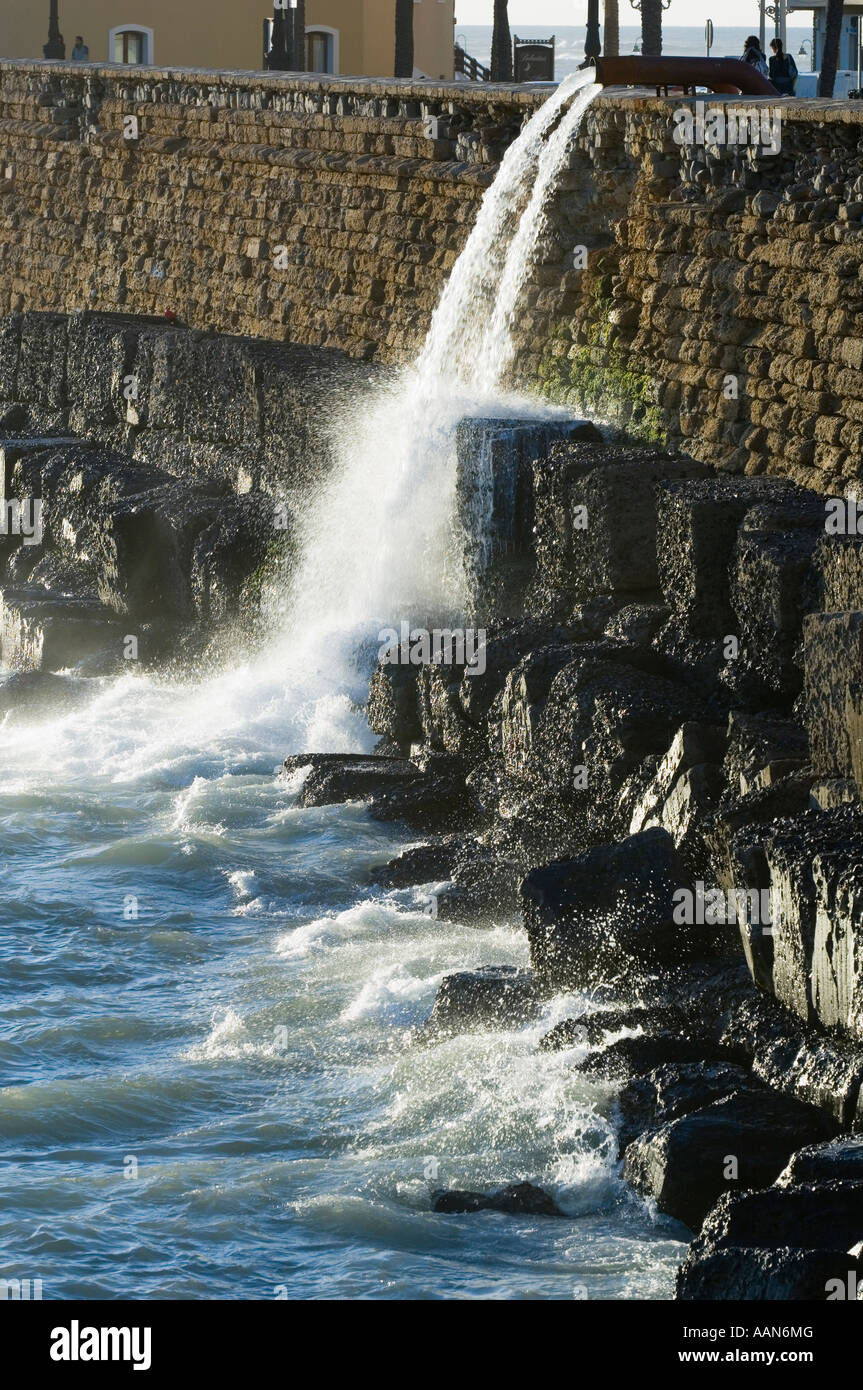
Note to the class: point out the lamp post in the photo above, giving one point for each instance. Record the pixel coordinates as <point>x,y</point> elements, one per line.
<point>777,14</point>
<point>592,45</point>
<point>55,47</point>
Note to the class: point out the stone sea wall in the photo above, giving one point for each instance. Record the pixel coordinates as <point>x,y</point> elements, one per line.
<point>722,306</point>
<point>717,305</point>
<point>326,212</point>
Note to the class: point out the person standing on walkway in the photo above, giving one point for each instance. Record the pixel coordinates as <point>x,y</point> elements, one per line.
<point>80,53</point>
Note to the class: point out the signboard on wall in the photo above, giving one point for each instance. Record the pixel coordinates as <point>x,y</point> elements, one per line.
<point>533,59</point>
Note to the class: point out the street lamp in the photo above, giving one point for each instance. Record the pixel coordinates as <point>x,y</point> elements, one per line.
<point>777,14</point>
<point>55,47</point>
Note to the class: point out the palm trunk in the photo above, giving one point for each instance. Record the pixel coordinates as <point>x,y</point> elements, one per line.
<point>830,56</point>
<point>404,64</point>
<point>651,27</point>
<point>501,44</point>
<point>611,30</point>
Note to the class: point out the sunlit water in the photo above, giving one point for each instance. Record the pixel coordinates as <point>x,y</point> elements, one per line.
<point>209,1083</point>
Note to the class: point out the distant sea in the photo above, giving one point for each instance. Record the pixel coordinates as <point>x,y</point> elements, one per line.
<point>677,41</point>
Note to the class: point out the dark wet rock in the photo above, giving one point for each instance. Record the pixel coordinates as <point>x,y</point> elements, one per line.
<point>833,792</point>
<point>148,547</point>
<point>674,1089</point>
<point>496,996</point>
<point>693,746</point>
<point>145,550</point>
<point>787,798</point>
<point>636,624</point>
<point>809,867</point>
<point>36,693</point>
<point>524,696</point>
<point>227,554</point>
<point>687,786</point>
<point>749,1273</point>
<point>634,1056</point>
<point>606,909</point>
<point>436,760</point>
<point>837,950</point>
<point>426,801</point>
<point>839,565</point>
<point>41,633</point>
<point>697,525</point>
<point>336,777</point>
<point>519,1199</point>
<point>495,482</point>
<point>823,1071</point>
<point>773,586</point>
<point>841,1160</point>
<point>420,864</point>
<point>392,708</point>
<point>395,788</point>
<point>582,493</point>
<point>442,718</point>
<point>742,1140</point>
<point>591,1028</point>
<point>483,870</point>
<point>505,645</point>
<point>814,1216</point>
<point>604,718</point>
<point>833,655</point>
<point>757,740</point>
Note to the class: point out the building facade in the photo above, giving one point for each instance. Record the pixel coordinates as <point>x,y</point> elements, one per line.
<point>346,37</point>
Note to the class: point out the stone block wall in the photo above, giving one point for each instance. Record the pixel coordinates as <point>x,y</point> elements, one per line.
<point>721,309</point>
<point>321,211</point>
<point>717,304</point>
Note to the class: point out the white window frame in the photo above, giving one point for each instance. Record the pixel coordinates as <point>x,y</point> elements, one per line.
<point>334,35</point>
<point>149,59</point>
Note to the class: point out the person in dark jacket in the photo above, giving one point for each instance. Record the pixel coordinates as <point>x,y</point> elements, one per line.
<point>783,69</point>
<point>752,53</point>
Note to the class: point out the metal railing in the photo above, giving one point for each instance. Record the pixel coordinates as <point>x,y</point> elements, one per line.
<point>466,66</point>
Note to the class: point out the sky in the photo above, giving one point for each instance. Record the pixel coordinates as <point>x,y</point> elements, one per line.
<point>563,12</point>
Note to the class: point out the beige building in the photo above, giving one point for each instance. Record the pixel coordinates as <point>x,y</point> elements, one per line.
<point>349,37</point>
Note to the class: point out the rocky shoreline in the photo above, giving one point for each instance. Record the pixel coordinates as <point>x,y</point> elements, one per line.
<point>660,769</point>
<point>657,763</point>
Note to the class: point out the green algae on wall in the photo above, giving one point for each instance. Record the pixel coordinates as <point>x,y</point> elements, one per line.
<point>597,377</point>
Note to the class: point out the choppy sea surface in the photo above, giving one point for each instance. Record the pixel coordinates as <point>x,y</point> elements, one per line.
<point>209,1088</point>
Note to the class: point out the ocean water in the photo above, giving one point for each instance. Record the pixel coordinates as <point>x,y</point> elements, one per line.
<point>678,41</point>
<point>209,1086</point>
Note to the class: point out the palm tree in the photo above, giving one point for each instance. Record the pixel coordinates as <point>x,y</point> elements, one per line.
<point>501,44</point>
<point>404,65</point>
<point>830,56</point>
<point>651,24</point>
<point>611,30</point>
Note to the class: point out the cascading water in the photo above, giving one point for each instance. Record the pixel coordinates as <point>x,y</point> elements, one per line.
<point>208,1083</point>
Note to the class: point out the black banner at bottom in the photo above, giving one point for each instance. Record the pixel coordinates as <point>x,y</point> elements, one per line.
<point>63,1339</point>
